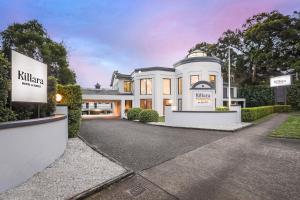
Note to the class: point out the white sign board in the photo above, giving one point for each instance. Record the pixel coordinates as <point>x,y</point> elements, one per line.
<point>203,98</point>
<point>29,79</point>
<point>281,81</point>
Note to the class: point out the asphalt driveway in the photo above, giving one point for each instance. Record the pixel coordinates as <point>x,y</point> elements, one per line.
<point>140,146</point>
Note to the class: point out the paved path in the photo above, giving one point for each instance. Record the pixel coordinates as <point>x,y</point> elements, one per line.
<point>140,146</point>
<point>243,165</point>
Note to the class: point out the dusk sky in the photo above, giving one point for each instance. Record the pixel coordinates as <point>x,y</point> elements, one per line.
<point>102,36</point>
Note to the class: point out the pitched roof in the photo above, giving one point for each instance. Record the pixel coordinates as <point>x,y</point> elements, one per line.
<point>118,75</point>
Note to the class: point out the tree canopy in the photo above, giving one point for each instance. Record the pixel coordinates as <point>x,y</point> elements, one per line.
<point>268,44</point>
<point>31,39</point>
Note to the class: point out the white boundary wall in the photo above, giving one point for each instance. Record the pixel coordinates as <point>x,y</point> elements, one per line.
<point>203,119</point>
<point>28,146</point>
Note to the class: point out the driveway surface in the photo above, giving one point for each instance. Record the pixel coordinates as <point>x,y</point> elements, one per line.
<point>243,165</point>
<point>140,146</point>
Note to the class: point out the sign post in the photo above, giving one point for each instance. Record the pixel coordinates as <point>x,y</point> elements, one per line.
<point>279,84</point>
<point>28,79</point>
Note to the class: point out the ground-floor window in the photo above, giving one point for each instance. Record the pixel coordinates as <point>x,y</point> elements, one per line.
<point>128,105</point>
<point>146,103</point>
<point>179,105</point>
<point>166,102</point>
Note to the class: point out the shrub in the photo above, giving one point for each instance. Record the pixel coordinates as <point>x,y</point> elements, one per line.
<point>72,97</point>
<point>148,115</point>
<point>254,113</point>
<point>133,114</point>
<point>222,108</point>
<point>5,113</point>
<point>293,96</point>
<point>282,108</point>
<point>259,95</point>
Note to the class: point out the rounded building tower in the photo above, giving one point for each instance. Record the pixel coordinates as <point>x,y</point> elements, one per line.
<point>199,82</point>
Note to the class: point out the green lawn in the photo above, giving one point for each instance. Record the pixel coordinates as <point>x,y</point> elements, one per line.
<point>289,129</point>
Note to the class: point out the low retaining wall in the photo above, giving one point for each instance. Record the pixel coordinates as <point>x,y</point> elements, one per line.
<point>203,119</point>
<point>29,146</point>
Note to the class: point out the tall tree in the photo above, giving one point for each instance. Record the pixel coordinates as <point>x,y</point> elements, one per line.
<point>268,44</point>
<point>31,39</point>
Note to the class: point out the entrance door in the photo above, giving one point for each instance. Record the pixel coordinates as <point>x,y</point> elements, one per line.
<point>166,102</point>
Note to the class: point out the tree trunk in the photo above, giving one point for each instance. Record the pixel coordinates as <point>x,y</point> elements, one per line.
<point>253,76</point>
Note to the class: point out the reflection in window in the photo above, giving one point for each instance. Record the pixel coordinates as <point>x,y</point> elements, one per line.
<point>127,86</point>
<point>194,79</point>
<point>166,86</point>
<point>146,86</point>
<point>180,86</point>
<point>146,103</point>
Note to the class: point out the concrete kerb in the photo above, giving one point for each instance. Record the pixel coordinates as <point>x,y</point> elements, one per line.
<point>101,186</point>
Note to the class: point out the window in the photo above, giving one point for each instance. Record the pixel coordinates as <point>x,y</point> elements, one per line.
<point>146,86</point>
<point>166,86</point>
<point>95,105</point>
<point>225,92</point>
<point>87,105</point>
<point>231,92</point>
<point>194,79</point>
<point>146,103</point>
<point>179,104</point>
<point>166,102</point>
<point>127,86</point>
<point>212,80</point>
<point>179,86</point>
<point>128,105</point>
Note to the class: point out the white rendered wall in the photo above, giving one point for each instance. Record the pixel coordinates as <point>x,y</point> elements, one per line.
<point>203,69</point>
<point>27,150</point>
<point>202,119</point>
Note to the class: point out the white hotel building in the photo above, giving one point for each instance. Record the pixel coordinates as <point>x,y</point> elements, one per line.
<point>156,87</point>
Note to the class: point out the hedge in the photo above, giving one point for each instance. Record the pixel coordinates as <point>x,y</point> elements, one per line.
<point>259,95</point>
<point>254,113</point>
<point>293,96</point>
<point>133,114</point>
<point>222,108</point>
<point>148,115</point>
<point>72,97</point>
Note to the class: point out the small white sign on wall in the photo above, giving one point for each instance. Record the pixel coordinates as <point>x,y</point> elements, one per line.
<point>202,98</point>
<point>281,81</point>
<point>29,79</point>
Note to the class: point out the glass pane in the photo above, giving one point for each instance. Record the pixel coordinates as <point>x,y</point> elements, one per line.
<point>127,86</point>
<point>194,79</point>
<point>143,86</point>
<point>149,103</point>
<point>149,86</point>
<point>225,92</point>
<point>179,86</point>
<point>166,86</point>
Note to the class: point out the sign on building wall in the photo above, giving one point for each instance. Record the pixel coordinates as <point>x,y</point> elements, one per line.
<point>29,79</point>
<point>281,81</point>
<point>203,98</point>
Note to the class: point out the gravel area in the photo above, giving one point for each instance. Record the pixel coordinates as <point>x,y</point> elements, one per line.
<point>79,169</point>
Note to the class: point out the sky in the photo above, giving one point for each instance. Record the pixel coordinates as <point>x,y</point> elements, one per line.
<point>102,36</point>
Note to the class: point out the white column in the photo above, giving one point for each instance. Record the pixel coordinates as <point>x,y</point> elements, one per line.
<point>123,108</point>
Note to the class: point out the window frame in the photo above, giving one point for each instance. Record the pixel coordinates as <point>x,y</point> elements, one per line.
<point>191,84</point>
<point>130,86</point>
<point>146,86</point>
<point>145,103</point>
<point>170,87</point>
<point>179,89</point>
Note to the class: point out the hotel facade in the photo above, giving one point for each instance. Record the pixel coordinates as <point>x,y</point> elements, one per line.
<point>157,87</point>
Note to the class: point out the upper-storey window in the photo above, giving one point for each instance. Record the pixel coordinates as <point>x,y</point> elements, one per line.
<point>180,86</point>
<point>194,79</point>
<point>127,86</point>
<point>212,80</point>
<point>146,86</point>
<point>166,86</point>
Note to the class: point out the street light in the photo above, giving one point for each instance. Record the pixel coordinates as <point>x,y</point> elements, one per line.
<point>229,96</point>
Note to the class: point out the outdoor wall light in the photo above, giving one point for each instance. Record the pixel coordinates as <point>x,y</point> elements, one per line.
<point>170,102</point>
<point>58,98</point>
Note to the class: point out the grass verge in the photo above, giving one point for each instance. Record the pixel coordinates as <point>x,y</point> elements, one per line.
<point>289,129</point>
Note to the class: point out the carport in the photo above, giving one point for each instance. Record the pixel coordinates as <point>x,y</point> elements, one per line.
<point>118,103</point>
